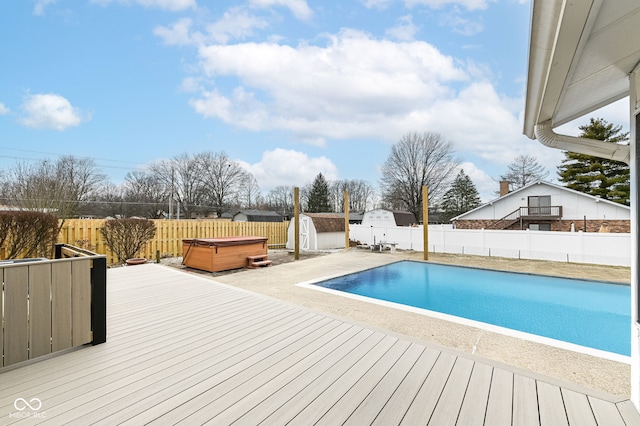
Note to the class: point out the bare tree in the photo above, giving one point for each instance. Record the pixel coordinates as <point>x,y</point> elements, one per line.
<point>249,193</point>
<point>108,202</point>
<point>417,160</point>
<point>221,179</point>
<point>360,195</point>
<point>145,194</point>
<point>58,187</point>
<point>524,170</point>
<point>280,199</point>
<point>181,178</point>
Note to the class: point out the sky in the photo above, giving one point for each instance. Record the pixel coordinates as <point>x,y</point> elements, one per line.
<point>289,88</point>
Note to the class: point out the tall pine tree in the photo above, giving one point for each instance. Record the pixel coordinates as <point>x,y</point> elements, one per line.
<point>601,177</point>
<point>319,196</point>
<point>461,197</point>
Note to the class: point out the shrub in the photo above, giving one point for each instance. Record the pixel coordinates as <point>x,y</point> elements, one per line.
<point>26,234</point>
<point>126,237</point>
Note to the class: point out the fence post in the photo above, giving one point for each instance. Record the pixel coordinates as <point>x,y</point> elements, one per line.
<point>99,300</point>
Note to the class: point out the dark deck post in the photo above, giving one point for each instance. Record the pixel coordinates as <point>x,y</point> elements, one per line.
<point>57,254</point>
<point>99,300</point>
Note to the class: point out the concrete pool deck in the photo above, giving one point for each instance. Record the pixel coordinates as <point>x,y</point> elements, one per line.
<point>586,370</point>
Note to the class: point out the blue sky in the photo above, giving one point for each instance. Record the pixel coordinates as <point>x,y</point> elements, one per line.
<point>289,88</point>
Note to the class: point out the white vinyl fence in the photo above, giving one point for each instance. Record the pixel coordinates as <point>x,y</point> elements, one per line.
<point>579,247</point>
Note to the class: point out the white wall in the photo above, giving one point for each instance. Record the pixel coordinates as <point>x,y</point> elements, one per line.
<point>579,247</point>
<point>330,240</point>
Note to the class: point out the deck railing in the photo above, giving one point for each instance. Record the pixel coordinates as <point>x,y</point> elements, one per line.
<point>47,306</point>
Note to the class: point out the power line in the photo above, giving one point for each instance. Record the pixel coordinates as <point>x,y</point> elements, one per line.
<point>61,155</point>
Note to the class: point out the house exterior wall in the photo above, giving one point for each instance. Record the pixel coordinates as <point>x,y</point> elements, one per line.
<point>614,226</point>
<point>575,206</point>
<point>378,217</point>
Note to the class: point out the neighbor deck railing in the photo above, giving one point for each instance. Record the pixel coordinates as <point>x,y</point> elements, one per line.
<point>47,306</point>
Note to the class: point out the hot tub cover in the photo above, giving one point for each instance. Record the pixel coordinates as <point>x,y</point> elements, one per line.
<point>224,241</point>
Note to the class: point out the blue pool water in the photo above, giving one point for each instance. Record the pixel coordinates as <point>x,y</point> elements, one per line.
<point>587,313</point>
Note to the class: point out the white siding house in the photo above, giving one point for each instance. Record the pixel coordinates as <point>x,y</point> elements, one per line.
<point>544,206</point>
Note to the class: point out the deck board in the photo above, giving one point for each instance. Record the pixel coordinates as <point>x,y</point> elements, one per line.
<point>183,348</point>
<point>474,406</point>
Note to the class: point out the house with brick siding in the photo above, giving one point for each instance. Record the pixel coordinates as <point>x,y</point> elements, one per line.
<point>542,206</point>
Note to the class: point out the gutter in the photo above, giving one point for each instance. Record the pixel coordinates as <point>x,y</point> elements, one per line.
<point>611,151</point>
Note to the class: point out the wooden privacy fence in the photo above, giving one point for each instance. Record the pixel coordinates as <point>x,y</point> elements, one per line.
<point>50,305</point>
<point>170,233</point>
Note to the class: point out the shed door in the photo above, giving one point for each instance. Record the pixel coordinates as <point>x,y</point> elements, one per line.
<point>304,233</point>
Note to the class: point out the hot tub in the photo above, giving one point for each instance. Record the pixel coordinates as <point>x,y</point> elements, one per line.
<point>221,254</point>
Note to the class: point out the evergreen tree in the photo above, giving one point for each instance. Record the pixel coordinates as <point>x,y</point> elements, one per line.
<point>318,200</point>
<point>461,197</point>
<point>524,170</point>
<point>601,177</point>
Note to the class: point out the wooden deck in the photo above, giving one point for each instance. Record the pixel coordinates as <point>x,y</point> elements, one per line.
<point>184,349</point>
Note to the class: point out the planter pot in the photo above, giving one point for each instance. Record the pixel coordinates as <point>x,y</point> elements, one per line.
<point>136,261</point>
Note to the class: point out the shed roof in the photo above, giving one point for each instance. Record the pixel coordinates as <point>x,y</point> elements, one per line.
<point>327,222</point>
<point>404,218</point>
<point>260,215</point>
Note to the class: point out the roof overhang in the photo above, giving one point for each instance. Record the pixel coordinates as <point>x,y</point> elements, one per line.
<point>580,56</point>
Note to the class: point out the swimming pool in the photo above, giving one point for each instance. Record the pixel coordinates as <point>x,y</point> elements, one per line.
<point>586,313</point>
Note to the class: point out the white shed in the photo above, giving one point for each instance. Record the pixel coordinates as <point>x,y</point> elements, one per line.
<point>318,231</point>
<point>384,217</point>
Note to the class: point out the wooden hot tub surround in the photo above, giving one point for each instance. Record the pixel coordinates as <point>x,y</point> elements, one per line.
<point>221,254</point>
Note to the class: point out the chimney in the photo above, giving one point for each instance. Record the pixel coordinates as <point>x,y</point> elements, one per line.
<point>504,187</point>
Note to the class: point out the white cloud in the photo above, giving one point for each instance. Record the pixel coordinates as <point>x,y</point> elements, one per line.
<point>355,86</point>
<point>461,25</point>
<point>434,4</point>
<point>289,167</point>
<point>171,5</point>
<point>235,24</point>
<point>438,4</point>
<point>179,33</point>
<point>40,5</point>
<point>299,8</point>
<point>405,30</point>
<point>50,111</point>
<point>3,109</point>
